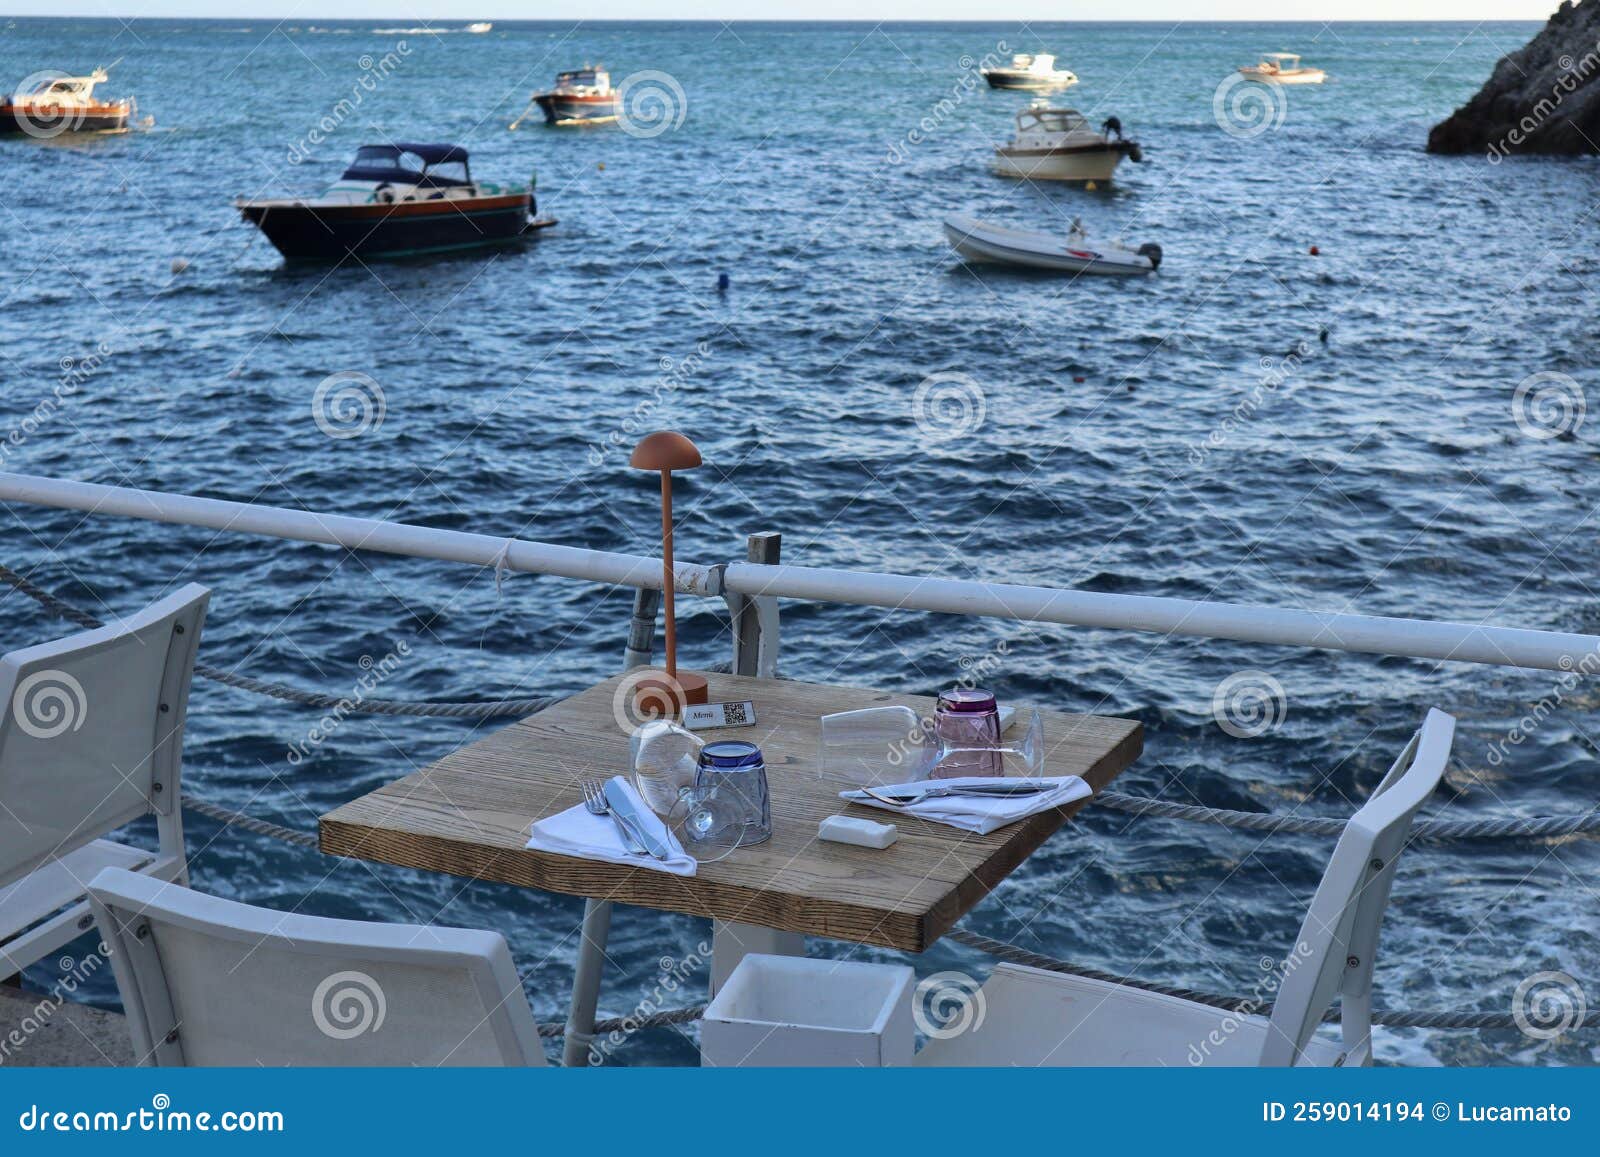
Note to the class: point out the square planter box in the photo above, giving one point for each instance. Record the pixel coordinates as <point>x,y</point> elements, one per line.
<point>792,1010</point>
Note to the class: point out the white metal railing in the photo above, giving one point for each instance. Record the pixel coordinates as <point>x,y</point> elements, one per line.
<point>1411,638</point>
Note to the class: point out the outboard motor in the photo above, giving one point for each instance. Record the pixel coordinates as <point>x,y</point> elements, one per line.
<point>1153,251</point>
<point>1135,153</point>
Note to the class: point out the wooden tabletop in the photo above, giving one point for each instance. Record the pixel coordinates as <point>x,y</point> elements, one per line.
<point>468,815</point>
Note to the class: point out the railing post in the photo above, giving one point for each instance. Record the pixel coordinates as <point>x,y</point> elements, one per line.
<point>755,618</point>
<point>642,629</point>
<point>597,913</point>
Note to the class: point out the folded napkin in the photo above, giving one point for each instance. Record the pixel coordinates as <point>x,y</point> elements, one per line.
<point>976,813</point>
<point>579,832</point>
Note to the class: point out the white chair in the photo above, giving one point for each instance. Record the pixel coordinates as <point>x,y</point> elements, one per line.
<point>1032,1017</point>
<point>91,737</point>
<point>212,982</point>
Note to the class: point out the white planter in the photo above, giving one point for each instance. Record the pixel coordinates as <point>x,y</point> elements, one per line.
<point>797,1011</point>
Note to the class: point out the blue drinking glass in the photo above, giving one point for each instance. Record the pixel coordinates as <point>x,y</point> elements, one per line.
<point>729,805</point>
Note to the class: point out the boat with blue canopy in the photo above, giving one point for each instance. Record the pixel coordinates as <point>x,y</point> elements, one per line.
<point>398,200</point>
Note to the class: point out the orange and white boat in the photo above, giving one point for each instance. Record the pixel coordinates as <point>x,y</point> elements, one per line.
<point>49,104</point>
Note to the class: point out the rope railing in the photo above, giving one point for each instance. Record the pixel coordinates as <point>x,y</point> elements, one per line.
<point>1531,827</point>
<point>1013,954</point>
<point>487,709</point>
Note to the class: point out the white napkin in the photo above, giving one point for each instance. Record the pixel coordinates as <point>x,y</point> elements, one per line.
<point>579,832</point>
<point>974,813</point>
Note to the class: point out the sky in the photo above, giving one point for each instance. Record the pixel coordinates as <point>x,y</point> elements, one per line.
<point>988,10</point>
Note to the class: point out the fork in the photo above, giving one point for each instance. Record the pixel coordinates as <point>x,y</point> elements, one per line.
<point>594,798</point>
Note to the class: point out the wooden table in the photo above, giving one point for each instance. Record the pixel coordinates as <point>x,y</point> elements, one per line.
<point>468,815</point>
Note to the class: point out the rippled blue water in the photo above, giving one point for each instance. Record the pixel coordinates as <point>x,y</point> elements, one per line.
<point>1188,435</point>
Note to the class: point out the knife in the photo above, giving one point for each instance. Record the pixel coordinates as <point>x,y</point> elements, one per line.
<point>906,798</point>
<point>622,806</point>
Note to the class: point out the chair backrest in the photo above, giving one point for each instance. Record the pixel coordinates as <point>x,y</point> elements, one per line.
<point>91,732</point>
<point>1339,937</point>
<point>210,982</point>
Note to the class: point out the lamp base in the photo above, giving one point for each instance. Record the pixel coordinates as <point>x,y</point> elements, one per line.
<point>658,696</point>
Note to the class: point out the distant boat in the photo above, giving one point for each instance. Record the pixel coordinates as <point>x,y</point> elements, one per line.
<point>64,104</point>
<point>483,26</point>
<point>1283,68</point>
<point>1057,144</point>
<point>978,240</point>
<point>1036,72</point>
<point>580,96</point>
<point>399,200</point>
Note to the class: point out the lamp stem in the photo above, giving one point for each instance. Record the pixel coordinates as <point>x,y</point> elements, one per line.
<point>667,582</point>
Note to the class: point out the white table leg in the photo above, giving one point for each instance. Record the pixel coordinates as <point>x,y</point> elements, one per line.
<point>731,943</point>
<point>586,983</point>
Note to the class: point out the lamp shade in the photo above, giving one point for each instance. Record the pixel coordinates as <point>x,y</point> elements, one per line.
<point>664,450</point>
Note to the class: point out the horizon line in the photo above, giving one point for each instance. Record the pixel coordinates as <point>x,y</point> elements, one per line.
<point>456,21</point>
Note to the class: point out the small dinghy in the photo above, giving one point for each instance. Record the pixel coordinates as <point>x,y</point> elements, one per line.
<point>1073,253</point>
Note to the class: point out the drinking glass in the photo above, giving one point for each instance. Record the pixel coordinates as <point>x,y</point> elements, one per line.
<point>664,763</point>
<point>711,820</point>
<point>885,745</point>
<point>729,805</point>
<point>967,724</point>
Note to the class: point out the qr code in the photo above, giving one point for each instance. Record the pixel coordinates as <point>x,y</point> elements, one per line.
<point>735,715</point>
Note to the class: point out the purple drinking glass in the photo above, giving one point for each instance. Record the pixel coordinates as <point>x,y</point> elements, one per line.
<point>966,722</point>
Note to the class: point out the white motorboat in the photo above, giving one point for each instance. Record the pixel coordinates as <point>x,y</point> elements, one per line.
<point>1030,72</point>
<point>1283,68</point>
<point>1057,144</point>
<point>481,26</point>
<point>979,240</point>
<point>55,103</point>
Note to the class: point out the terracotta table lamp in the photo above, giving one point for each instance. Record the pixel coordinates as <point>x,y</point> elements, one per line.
<point>666,451</point>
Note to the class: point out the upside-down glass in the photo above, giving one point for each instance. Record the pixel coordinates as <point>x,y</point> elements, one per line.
<point>967,723</point>
<point>729,806</point>
<point>885,745</point>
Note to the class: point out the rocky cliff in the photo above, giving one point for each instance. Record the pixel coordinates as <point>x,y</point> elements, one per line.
<point>1544,98</point>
